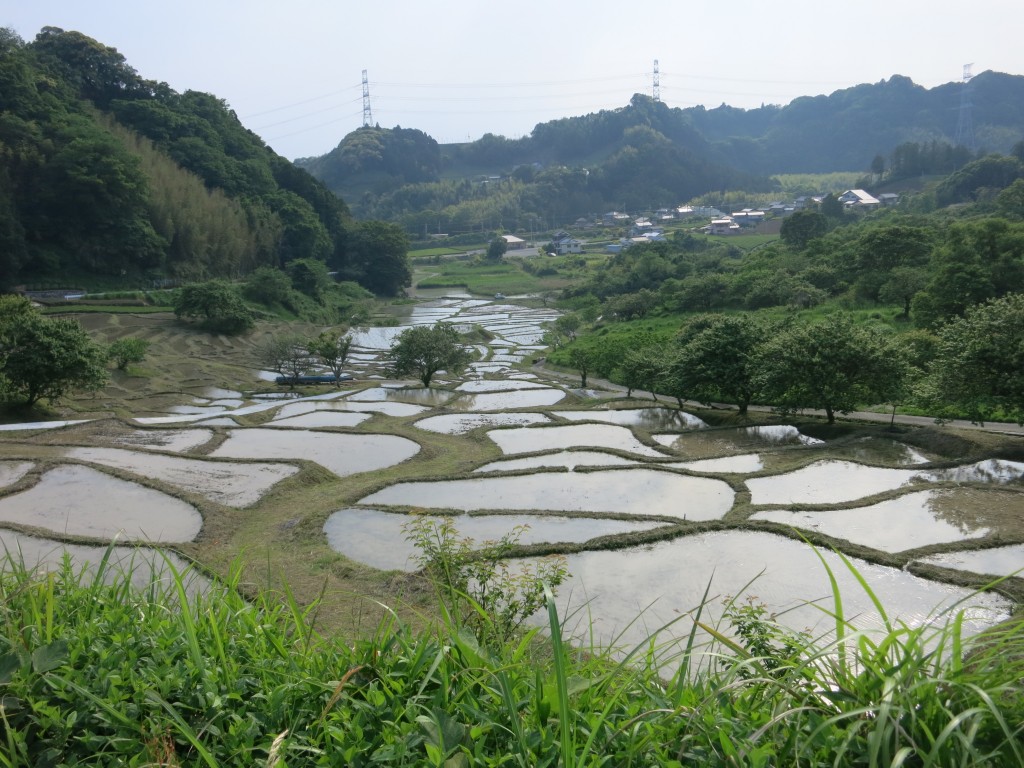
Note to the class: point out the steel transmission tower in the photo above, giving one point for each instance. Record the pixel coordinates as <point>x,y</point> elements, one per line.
<point>965,125</point>
<point>367,114</point>
<point>657,82</point>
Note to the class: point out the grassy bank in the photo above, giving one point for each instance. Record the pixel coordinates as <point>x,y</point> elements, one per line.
<point>94,673</point>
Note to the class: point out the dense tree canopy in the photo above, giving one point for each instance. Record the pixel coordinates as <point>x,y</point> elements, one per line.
<point>716,358</point>
<point>217,304</point>
<point>42,357</point>
<point>832,365</point>
<point>978,367</point>
<point>424,350</point>
<point>105,173</point>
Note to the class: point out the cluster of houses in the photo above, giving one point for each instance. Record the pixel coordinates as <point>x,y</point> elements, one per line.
<point>649,229</point>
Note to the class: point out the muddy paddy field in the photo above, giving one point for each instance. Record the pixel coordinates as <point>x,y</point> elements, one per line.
<point>195,452</point>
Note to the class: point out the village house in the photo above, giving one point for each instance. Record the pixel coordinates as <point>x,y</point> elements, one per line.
<point>614,218</point>
<point>513,243</point>
<point>858,198</point>
<point>748,217</point>
<point>722,226</point>
<point>563,243</point>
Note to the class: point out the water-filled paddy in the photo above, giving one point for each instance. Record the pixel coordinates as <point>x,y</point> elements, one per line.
<point>461,423</point>
<point>664,582</point>
<point>880,450</point>
<point>234,484</point>
<point>744,463</point>
<point>340,453</point>
<point>827,482</point>
<point>376,538</point>
<point>714,442</point>
<point>176,440</point>
<point>997,561</point>
<point>499,401</point>
<point>906,522</point>
<point>321,418</point>
<point>12,471</point>
<point>416,395</point>
<point>995,471</point>
<point>567,459</point>
<point>626,491</point>
<point>142,565</point>
<point>498,385</point>
<point>837,482</point>
<point>530,439</point>
<point>79,501</point>
<point>387,407</point>
<point>645,418</point>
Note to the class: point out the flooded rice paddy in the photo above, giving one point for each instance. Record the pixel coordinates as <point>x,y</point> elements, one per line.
<point>12,471</point>
<point>461,423</point>
<point>233,484</point>
<point>605,476</point>
<point>530,439</point>
<point>665,582</point>
<point>647,492</point>
<point>501,401</point>
<point>166,439</point>
<point>342,454</point>
<point>141,565</point>
<point>567,459</point>
<point>905,522</point>
<point>377,538</point>
<point>649,419</point>
<point>995,561</point>
<point>79,501</point>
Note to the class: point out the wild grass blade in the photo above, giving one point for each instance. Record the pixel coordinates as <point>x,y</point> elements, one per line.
<point>184,729</point>
<point>567,748</point>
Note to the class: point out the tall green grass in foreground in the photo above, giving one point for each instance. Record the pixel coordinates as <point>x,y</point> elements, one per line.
<point>97,674</point>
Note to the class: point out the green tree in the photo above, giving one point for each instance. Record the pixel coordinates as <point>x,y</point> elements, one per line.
<point>126,351</point>
<point>496,249</point>
<point>902,284</point>
<point>717,358</point>
<point>978,365</point>
<point>642,368</point>
<point>378,257</point>
<point>332,349</point>
<point>424,350</point>
<point>47,357</point>
<point>800,227</point>
<point>217,304</point>
<point>269,287</point>
<point>582,359</point>
<point>832,365</point>
<point>286,355</point>
<point>310,276</point>
<point>568,325</point>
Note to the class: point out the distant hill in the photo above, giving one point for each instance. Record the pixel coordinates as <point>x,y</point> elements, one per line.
<point>647,153</point>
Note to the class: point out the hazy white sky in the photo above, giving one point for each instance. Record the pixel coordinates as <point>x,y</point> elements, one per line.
<point>456,69</point>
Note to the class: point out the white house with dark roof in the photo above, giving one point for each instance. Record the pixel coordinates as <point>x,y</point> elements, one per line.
<point>564,243</point>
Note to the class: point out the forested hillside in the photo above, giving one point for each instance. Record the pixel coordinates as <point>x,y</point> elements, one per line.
<point>106,174</point>
<point>648,155</point>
